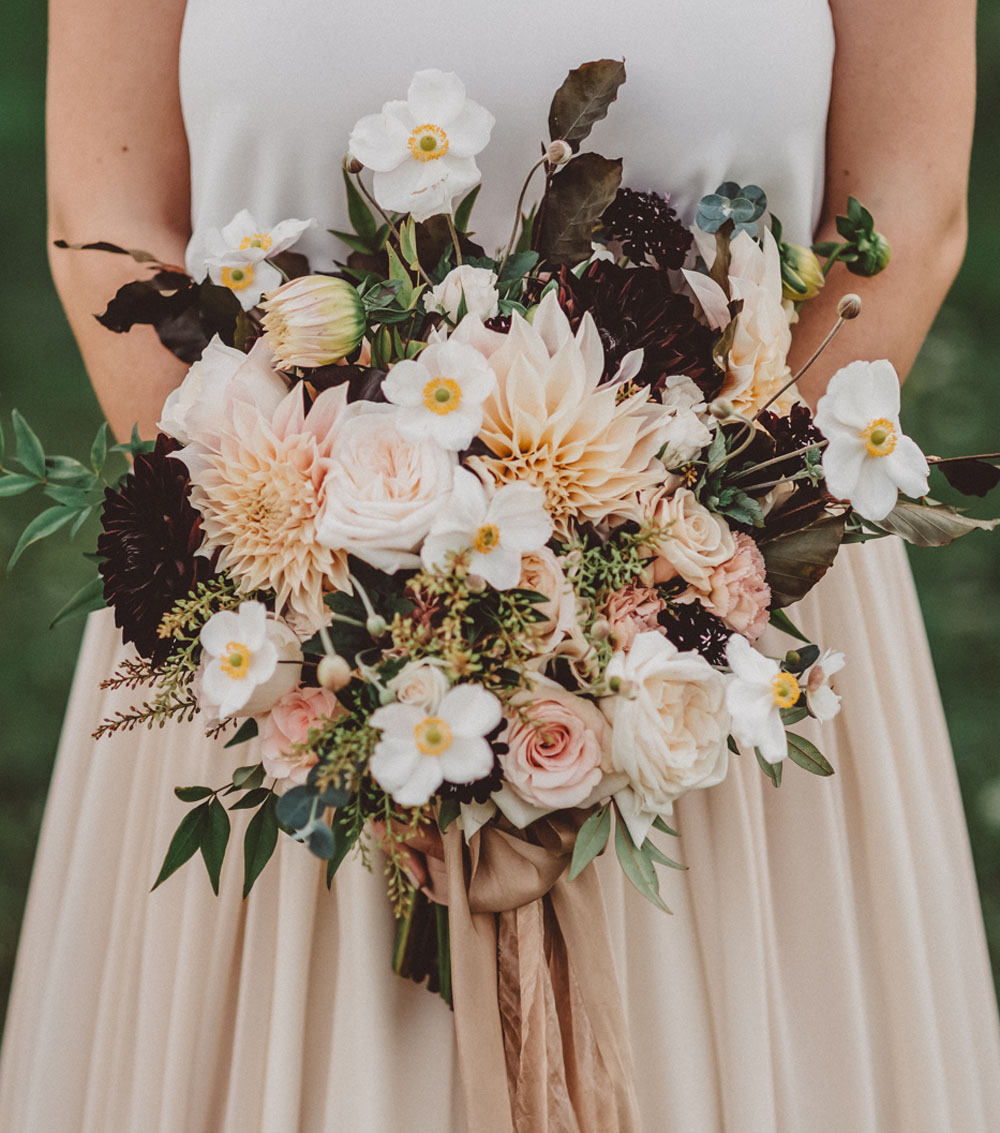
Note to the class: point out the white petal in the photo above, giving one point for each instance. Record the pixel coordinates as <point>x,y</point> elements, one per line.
<point>825,703</point>
<point>436,97</point>
<point>907,466</point>
<point>469,132</point>
<point>501,567</point>
<point>379,141</point>
<point>883,384</point>
<point>475,816</point>
<point>468,504</point>
<point>287,232</point>
<point>470,710</point>
<point>747,663</point>
<point>467,759</point>
<point>404,383</point>
<point>434,552</point>
<point>842,461</point>
<point>422,783</point>
<point>773,743</point>
<point>253,624</point>
<point>218,631</point>
<point>399,719</point>
<point>637,820</point>
<point>750,707</point>
<point>242,224</point>
<point>392,764</point>
<point>515,809</point>
<point>875,493</point>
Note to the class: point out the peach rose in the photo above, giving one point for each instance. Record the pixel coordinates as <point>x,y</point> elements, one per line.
<point>631,611</point>
<point>738,591</point>
<point>556,744</point>
<point>695,541</point>
<point>541,571</point>
<point>287,724</point>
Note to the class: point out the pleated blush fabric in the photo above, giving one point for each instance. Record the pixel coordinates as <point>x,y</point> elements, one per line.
<point>825,966</point>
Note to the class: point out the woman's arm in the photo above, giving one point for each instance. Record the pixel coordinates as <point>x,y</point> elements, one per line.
<point>118,171</point>
<point>899,137</point>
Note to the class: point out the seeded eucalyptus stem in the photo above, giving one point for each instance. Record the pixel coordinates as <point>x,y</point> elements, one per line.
<point>517,213</point>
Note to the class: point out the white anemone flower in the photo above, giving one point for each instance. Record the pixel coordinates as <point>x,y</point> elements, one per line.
<point>823,702</point>
<point>497,530</point>
<point>869,460</point>
<point>250,661</point>
<point>418,751</point>
<point>423,150</point>
<point>757,691</point>
<point>444,390</point>
<point>236,256</point>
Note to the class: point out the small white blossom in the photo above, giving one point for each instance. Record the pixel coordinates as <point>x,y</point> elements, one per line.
<point>236,256</point>
<point>757,691</point>
<point>475,287</point>
<point>250,661</point>
<point>418,751</point>
<point>497,530</point>
<point>423,150</point>
<point>823,702</point>
<point>869,460</point>
<point>443,391</point>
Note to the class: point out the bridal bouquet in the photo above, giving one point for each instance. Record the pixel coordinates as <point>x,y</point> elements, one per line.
<point>474,541</point>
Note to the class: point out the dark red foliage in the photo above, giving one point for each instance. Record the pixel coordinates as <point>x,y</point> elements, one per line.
<point>645,225</point>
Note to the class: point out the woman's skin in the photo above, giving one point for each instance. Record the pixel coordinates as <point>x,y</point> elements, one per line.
<point>899,138</point>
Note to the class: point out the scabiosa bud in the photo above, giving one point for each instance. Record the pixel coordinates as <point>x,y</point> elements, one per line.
<point>352,165</point>
<point>646,225</point>
<point>559,152</point>
<point>849,306</point>
<point>313,321</point>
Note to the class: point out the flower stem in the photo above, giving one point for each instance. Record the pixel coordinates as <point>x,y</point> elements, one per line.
<point>779,459</point>
<point>392,227</point>
<point>454,238</point>
<point>818,351</point>
<point>518,214</point>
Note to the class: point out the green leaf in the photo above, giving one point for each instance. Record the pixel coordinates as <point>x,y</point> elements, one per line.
<point>246,778</point>
<point>355,243</point>
<point>780,620</point>
<point>75,498</point>
<point>14,484</point>
<point>517,266</point>
<point>246,731</point>
<point>808,755</point>
<point>185,842</point>
<point>43,525</point>
<point>214,841</point>
<point>252,798</point>
<point>637,866</point>
<point>449,810</point>
<point>654,852</point>
<point>343,840</point>
<point>463,213</point>
<point>793,715</point>
<point>80,520</point>
<point>295,807</point>
<point>408,242</point>
<point>87,599</point>
<point>398,272</point>
<point>3,438</point>
<point>574,201</point>
<point>930,525</point>
<point>659,823</point>
<point>68,469</point>
<point>771,770</point>
<point>259,842</point>
<point>360,214</point>
<point>797,560</point>
<point>30,454</point>
<point>444,953</point>
<point>99,449</point>
<point>193,794</point>
<point>590,840</point>
<point>583,100</point>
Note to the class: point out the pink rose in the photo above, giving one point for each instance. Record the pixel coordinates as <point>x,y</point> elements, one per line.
<point>542,572</point>
<point>287,724</point>
<point>738,592</point>
<point>631,611</point>
<point>556,743</point>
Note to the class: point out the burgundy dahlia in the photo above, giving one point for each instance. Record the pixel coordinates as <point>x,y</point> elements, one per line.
<point>646,226</point>
<point>148,543</point>
<point>635,307</point>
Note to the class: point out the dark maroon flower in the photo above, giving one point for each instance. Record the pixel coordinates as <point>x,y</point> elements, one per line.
<point>148,542</point>
<point>635,308</point>
<point>690,626</point>
<point>645,225</point>
<point>793,432</point>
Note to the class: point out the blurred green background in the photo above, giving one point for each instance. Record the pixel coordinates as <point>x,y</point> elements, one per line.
<point>952,405</point>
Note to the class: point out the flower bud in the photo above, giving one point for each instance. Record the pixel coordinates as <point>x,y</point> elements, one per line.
<point>801,274</point>
<point>376,625</point>
<point>559,152</point>
<point>351,164</point>
<point>873,256</point>
<point>475,583</point>
<point>601,630</point>
<point>333,672</point>
<point>722,409</point>
<point>313,321</point>
<point>849,306</point>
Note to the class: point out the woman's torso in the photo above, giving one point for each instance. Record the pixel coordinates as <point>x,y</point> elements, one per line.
<point>717,90</point>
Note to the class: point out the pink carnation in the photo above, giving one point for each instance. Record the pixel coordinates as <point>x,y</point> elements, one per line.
<point>287,724</point>
<point>556,743</point>
<point>738,592</point>
<point>630,611</point>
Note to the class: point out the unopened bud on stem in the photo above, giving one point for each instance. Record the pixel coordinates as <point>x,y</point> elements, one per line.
<point>333,672</point>
<point>351,164</point>
<point>559,152</point>
<point>849,306</point>
<point>722,409</point>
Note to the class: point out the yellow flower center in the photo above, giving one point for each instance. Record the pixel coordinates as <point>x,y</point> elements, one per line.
<point>428,142</point>
<point>257,240</point>
<point>879,436</point>
<point>487,538</point>
<point>433,735</point>
<point>237,279</point>
<point>785,689</point>
<point>442,395</point>
<point>235,662</point>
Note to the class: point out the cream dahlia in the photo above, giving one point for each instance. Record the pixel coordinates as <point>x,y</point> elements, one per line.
<point>259,496</point>
<point>548,423</point>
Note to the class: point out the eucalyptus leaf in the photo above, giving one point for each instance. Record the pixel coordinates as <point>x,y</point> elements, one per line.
<point>321,841</point>
<point>583,100</point>
<point>576,197</point>
<point>44,524</point>
<point>185,842</point>
<point>797,560</point>
<point>808,755</point>
<point>637,866</point>
<point>295,808</point>
<point>590,840</point>
<point>926,525</point>
<point>214,841</point>
<point>87,599</point>
<point>29,454</point>
<point>259,842</point>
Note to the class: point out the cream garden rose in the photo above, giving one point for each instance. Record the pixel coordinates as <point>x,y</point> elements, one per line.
<point>542,572</point>
<point>475,287</point>
<point>695,540</point>
<point>420,683</point>
<point>670,723</point>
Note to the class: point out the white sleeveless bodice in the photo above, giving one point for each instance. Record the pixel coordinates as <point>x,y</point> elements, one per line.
<point>271,89</point>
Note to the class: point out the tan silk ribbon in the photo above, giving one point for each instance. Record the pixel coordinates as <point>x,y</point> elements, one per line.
<point>542,1044</point>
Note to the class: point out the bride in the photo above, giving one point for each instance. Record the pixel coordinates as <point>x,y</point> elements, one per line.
<point>825,967</point>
